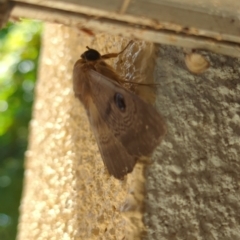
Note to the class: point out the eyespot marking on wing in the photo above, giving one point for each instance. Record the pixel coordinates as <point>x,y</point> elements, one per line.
<point>119,101</point>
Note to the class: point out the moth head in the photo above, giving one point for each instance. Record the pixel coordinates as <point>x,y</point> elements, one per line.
<point>91,55</point>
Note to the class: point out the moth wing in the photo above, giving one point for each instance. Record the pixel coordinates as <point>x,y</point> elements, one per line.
<point>117,160</point>
<point>137,129</point>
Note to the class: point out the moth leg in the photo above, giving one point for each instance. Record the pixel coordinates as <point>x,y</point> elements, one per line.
<point>113,55</point>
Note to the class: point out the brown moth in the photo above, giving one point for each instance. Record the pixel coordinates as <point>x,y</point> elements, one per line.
<point>125,127</point>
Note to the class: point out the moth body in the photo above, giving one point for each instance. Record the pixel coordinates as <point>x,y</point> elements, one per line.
<point>125,127</point>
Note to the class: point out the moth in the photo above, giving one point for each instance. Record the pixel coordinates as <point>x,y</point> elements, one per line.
<point>126,127</point>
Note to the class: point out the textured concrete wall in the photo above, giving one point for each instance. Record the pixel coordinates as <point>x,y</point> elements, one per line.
<point>193,186</point>
<point>191,190</point>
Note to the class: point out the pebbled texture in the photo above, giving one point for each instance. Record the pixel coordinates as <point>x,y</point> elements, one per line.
<point>193,186</point>
<point>68,193</point>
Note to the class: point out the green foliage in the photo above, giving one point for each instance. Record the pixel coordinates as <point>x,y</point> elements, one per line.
<point>19,52</point>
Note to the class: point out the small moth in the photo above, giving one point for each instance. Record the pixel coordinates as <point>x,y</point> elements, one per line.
<point>126,128</point>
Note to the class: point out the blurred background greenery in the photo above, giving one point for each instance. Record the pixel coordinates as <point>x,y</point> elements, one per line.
<point>19,52</point>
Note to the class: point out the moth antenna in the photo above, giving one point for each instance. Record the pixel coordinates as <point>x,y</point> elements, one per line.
<point>113,55</point>
<point>130,43</point>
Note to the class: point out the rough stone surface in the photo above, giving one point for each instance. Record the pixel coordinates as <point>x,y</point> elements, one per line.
<point>68,193</point>
<point>192,188</point>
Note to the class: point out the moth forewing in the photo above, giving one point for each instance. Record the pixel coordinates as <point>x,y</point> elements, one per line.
<point>117,160</point>
<point>125,127</point>
<point>138,126</point>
